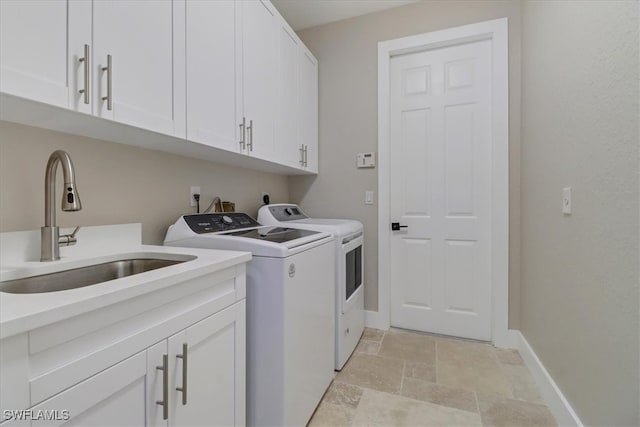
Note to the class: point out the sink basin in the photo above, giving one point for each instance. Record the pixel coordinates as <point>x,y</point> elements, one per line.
<point>86,276</point>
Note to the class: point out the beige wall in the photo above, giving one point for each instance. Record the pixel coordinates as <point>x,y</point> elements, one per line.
<point>580,272</point>
<point>117,183</point>
<point>348,73</point>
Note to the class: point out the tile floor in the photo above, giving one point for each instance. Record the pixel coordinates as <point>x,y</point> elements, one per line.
<point>400,378</point>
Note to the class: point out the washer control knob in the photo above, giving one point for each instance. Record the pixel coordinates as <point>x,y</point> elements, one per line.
<point>227,219</point>
<point>288,211</point>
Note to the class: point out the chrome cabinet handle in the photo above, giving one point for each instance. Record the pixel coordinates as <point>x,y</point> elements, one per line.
<point>184,357</point>
<point>243,143</point>
<point>87,70</point>
<point>165,387</point>
<point>301,149</point>
<point>250,131</point>
<point>306,152</point>
<point>109,70</point>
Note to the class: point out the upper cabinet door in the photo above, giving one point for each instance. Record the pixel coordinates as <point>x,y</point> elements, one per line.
<point>288,146</point>
<point>140,80</point>
<point>308,111</point>
<point>211,73</point>
<point>259,68</point>
<point>41,43</point>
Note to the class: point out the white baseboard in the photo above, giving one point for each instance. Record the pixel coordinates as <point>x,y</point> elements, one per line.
<point>553,397</point>
<point>373,319</point>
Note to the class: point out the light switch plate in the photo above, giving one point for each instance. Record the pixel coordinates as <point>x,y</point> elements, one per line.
<point>566,200</point>
<point>366,160</point>
<point>368,197</point>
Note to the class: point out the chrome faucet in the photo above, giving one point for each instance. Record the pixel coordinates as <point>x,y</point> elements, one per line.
<point>50,233</point>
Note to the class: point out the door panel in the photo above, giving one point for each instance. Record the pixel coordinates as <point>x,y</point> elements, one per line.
<point>118,393</point>
<point>215,370</point>
<point>441,189</point>
<point>259,48</point>
<point>308,107</point>
<point>211,73</point>
<point>33,50</point>
<point>288,99</point>
<point>142,63</point>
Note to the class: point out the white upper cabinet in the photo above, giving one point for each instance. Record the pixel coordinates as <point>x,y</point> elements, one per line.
<point>138,85</point>
<point>289,148</point>
<point>211,73</point>
<point>228,76</point>
<point>308,108</point>
<point>40,50</point>
<point>259,78</point>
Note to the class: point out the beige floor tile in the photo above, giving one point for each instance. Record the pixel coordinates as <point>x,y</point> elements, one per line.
<point>458,398</point>
<point>420,371</point>
<point>332,415</point>
<point>498,411</point>
<point>383,409</point>
<point>472,366</point>
<point>372,334</point>
<point>340,393</point>
<point>408,346</point>
<point>378,373</point>
<point>368,347</point>
<point>509,356</point>
<point>523,385</point>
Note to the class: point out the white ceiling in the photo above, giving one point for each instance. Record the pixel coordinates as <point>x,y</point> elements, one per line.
<point>301,14</point>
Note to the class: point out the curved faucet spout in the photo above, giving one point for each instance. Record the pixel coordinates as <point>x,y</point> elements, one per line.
<point>70,202</point>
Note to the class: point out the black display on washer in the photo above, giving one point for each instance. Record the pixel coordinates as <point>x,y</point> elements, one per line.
<point>215,222</point>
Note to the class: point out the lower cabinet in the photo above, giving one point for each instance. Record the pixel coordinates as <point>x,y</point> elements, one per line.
<point>195,377</point>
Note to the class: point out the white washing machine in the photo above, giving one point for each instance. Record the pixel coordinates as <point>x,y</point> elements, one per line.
<point>290,322</point>
<point>349,304</point>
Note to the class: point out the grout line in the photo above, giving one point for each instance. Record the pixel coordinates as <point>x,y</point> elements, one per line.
<point>404,368</point>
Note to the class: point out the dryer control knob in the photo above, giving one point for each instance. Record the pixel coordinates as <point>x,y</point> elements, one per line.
<point>288,211</point>
<point>227,219</point>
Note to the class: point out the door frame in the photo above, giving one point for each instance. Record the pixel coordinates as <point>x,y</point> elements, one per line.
<point>496,31</point>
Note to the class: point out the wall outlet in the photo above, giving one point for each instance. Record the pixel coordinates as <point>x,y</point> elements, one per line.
<point>192,191</point>
<point>262,200</point>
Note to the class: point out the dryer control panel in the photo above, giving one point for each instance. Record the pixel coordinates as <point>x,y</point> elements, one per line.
<point>216,222</point>
<point>287,212</point>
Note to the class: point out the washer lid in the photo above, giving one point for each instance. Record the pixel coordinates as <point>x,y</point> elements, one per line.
<point>290,215</point>
<point>337,227</point>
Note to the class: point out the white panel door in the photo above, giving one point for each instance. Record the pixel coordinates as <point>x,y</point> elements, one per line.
<point>259,71</point>
<point>308,107</point>
<point>211,73</point>
<point>114,397</point>
<point>215,371</point>
<point>138,34</point>
<point>41,42</point>
<point>440,188</point>
<point>288,145</point>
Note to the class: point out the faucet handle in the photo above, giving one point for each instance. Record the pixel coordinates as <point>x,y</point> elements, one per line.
<point>68,239</point>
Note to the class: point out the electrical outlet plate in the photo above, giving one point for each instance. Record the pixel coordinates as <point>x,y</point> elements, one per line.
<point>262,194</point>
<point>192,191</point>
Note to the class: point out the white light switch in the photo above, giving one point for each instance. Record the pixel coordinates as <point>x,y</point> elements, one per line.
<point>566,200</point>
<point>368,197</point>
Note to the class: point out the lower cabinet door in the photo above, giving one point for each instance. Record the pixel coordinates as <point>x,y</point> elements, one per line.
<point>114,397</point>
<point>213,381</point>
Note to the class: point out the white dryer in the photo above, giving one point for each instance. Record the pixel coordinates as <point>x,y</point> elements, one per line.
<point>290,322</point>
<point>349,304</point>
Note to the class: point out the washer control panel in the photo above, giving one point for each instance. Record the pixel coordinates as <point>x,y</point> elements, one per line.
<point>216,222</point>
<point>287,212</point>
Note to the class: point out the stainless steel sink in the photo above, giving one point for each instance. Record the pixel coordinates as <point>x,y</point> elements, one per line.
<point>86,276</point>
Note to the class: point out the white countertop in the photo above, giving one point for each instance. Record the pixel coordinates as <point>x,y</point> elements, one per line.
<point>23,312</point>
